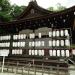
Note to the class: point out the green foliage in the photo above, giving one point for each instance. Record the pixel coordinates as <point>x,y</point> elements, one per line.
<point>5,9</point>
<point>58,6</point>
<point>51,8</point>
<point>4,16</point>
<point>8,12</point>
<point>17,10</point>
<point>5,5</point>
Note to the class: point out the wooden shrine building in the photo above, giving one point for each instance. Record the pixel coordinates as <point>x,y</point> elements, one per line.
<point>39,35</point>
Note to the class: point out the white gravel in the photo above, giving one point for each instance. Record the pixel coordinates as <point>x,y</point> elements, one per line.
<point>9,74</point>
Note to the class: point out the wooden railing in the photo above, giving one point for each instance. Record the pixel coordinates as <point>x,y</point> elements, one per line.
<point>30,69</point>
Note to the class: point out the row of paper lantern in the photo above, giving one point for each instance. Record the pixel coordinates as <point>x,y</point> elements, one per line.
<point>51,43</point>
<point>6,44</point>
<point>58,33</point>
<point>23,36</point>
<point>51,52</point>
<point>37,43</point>
<point>8,37</point>
<point>17,51</point>
<point>36,52</point>
<point>18,44</point>
<point>59,43</point>
<point>59,53</point>
<point>51,34</point>
<point>20,36</point>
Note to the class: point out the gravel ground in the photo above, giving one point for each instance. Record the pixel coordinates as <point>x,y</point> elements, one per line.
<point>9,74</point>
<point>71,72</point>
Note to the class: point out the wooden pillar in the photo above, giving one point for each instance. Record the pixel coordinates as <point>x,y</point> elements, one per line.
<point>74,24</point>
<point>57,70</point>
<point>42,69</point>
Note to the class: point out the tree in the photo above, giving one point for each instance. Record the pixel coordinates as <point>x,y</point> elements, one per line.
<point>8,12</point>
<point>5,8</point>
<point>58,6</point>
<point>17,10</point>
<point>5,5</point>
<point>51,8</point>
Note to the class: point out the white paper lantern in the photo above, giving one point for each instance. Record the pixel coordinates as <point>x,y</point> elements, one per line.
<point>74,13</point>
<point>33,52</point>
<point>20,51</point>
<point>67,53</point>
<point>54,52</point>
<point>36,43</point>
<point>50,34</point>
<point>24,36</point>
<point>62,33</point>
<point>17,51</point>
<point>19,44</point>
<point>54,42</point>
<point>50,43</point>
<point>32,35</point>
<point>66,33</point>
<point>50,52</point>
<point>54,33</point>
<point>42,43</point>
<point>62,42</point>
<point>22,44</point>
<point>14,51</point>
<point>15,37</point>
<point>39,43</point>
<point>42,52</point>
<point>14,44</point>
<point>67,42</point>
<point>39,35</point>
<point>8,44</point>
<point>57,33</point>
<point>30,52</point>
<point>57,43</point>
<point>30,44</point>
<point>58,53</point>
<point>9,37</point>
<point>73,51</point>
<point>33,43</point>
<point>21,36</point>
<point>62,53</point>
<point>36,52</point>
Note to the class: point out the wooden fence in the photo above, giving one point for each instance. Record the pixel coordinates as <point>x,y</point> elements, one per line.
<point>29,69</point>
